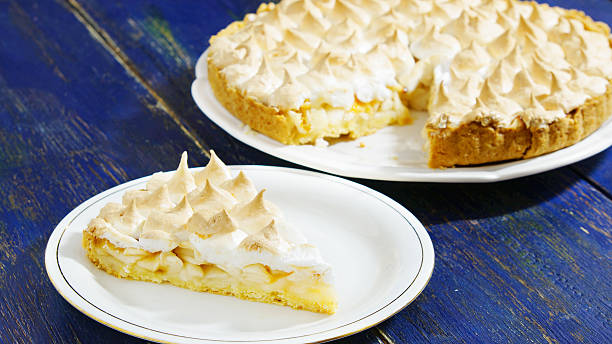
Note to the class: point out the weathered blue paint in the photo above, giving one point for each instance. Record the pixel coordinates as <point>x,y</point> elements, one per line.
<point>518,261</point>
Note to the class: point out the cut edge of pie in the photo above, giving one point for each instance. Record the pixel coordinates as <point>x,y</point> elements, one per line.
<point>276,265</point>
<point>480,141</point>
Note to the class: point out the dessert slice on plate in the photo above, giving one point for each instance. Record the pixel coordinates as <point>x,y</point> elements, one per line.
<point>207,231</point>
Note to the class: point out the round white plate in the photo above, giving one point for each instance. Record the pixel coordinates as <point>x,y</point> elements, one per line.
<point>381,255</point>
<point>392,153</point>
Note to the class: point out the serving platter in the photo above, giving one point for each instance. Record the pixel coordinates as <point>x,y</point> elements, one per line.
<point>369,240</point>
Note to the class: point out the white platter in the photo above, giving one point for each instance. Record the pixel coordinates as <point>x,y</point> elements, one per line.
<point>381,255</point>
<point>393,153</point>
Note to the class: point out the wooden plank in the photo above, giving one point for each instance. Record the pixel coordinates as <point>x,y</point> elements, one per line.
<point>157,53</point>
<point>597,170</point>
<point>74,123</point>
<point>520,261</point>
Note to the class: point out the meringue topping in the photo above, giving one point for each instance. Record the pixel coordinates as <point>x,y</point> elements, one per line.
<point>223,219</point>
<point>301,54</point>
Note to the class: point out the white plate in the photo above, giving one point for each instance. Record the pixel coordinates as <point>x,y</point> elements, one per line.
<point>381,255</point>
<point>392,153</point>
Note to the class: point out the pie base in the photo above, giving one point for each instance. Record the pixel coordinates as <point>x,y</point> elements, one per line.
<point>316,297</point>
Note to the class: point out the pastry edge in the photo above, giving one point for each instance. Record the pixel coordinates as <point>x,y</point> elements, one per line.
<point>278,124</point>
<point>475,143</point>
<point>89,243</point>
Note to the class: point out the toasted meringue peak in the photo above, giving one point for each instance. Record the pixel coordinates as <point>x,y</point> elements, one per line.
<point>240,187</point>
<point>441,13</point>
<point>535,114</point>
<point>263,83</point>
<point>341,31</point>
<point>524,88</point>
<point>157,179</point>
<point>295,64</point>
<point>182,180</point>
<point>515,58</point>
<point>506,21</point>
<point>102,229</point>
<point>468,90</point>
<point>300,40</point>
<point>562,96</point>
<point>435,43</point>
<point>129,220</point>
<point>414,7</point>
<point>278,18</point>
<point>220,223</point>
<point>291,94</point>
<point>440,102</point>
<point>182,209</point>
<point>215,171</point>
<point>315,22</point>
<point>253,215</point>
<point>267,36</point>
<point>161,221</point>
<point>210,199</point>
<point>111,209</point>
<point>158,199</point>
<point>295,9</point>
<point>351,42</point>
<point>502,77</point>
<point>345,8</point>
<point>473,58</point>
<point>502,45</point>
<point>534,104</point>
<point>395,36</point>
<point>540,73</point>
<point>376,7</point>
<point>323,67</point>
<point>550,57</point>
<point>267,239</point>
<point>495,102</point>
<point>511,10</point>
<point>593,85</point>
<point>469,27</point>
<point>525,29</point>
<point>543,16</point>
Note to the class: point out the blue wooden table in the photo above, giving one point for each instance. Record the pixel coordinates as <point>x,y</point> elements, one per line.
<point>94,93</point>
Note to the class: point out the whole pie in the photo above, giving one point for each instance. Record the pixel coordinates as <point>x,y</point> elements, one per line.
<point>500,79</point>
<point>210,232</point>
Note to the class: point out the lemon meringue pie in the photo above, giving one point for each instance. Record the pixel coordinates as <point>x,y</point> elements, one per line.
<point>500,79</point>
<point>209,232</point>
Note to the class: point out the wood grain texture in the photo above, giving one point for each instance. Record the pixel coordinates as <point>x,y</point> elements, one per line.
<point>519,261</point>
<point>165,54</point>
<point>598,170</point>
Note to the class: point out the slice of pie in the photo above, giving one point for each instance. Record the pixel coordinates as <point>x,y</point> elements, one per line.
<point>207,231</point>
<point>500,79</point>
